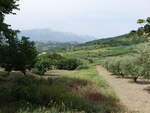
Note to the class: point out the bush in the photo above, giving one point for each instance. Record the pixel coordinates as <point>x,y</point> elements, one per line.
<point>53,61</point>
<point>91,60</point>
<point>68,64</point>
<point>42,67</point>
<point>27,90</point>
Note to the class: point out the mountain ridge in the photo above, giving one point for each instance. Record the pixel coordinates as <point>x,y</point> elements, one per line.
<point>51,35</point>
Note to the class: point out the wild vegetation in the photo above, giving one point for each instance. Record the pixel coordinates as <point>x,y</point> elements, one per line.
<point>15,53</point>
<point>55,61</point>
<point>83,91</point>
<point>131,66</point>
<point>137,65</point>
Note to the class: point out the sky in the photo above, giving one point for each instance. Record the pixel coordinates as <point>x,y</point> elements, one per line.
<point>99,18</point>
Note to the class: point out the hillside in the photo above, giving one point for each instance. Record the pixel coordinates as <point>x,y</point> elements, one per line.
<point>54,46</point>
<point>50,35</point>
<point>122,40</point>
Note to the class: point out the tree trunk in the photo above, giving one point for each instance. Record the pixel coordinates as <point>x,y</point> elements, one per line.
<point>122,74</point>
<point>135,79</point>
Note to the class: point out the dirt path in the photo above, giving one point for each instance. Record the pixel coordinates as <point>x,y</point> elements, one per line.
<point>136,97</point>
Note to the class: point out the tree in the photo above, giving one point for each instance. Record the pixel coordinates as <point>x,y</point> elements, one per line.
<point>68,64</point>
<point>6,7</point>
<point>19,55</point>
<point>15,54</point>
<point>28,52</point>
<point>6,34</point>
<point>140,21</point>
<point>147,29</point>
<point>143,31</point>
<point>144,61</point>
<point>9,49</point>
<point>140,31</point>
<point>148,20</point>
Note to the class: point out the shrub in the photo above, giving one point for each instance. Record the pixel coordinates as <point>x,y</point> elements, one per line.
<point>91,60</point>
<point>42,67</point>
<point>68,64</point>
<point>53,61</point>
<point>26,89</point>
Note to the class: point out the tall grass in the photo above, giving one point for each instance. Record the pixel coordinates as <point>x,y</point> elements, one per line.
<point>82,91</point>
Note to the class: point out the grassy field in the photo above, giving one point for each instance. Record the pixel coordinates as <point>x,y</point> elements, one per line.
<point>83,91</point>
<point>96,56</point>
<point>80,91</point>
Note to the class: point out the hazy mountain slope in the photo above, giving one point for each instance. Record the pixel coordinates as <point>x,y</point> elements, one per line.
<point>50,35</point>
<point>54,46</point>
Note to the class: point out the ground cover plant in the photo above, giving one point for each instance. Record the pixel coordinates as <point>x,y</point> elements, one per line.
<point>83,91</point>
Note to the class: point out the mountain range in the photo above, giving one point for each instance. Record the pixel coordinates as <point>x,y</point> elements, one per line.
<point>51,35</point>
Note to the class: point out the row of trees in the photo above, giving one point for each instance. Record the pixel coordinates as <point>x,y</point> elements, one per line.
<point>15,53</point>
<point>134,66</point>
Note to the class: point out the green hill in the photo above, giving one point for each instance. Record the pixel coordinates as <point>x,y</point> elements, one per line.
<point>122,40</point>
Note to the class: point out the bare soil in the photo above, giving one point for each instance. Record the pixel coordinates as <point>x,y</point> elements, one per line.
<point>135,96</point>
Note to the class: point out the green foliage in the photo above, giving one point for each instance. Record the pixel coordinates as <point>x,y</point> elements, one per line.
<point>148,20</point>
<point>140,21</point>
<point>7,6</point>
<point>144,61</point>
<point>82,67</point>
<point>18,55</point>
<point>123,40</point>
<point>134,37</point>
<point>26,91</point>
<point>42,67</point>
<point>131,66</point>
<point>68,64</point>
<point>68,93</point>
<point>145,31</point>
<point>15,54</point>
<point>55,61</point>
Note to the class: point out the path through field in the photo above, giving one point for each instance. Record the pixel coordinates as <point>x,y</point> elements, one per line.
<point>136,97</point>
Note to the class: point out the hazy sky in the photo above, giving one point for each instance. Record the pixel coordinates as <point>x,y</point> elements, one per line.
<point>100,18</point>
